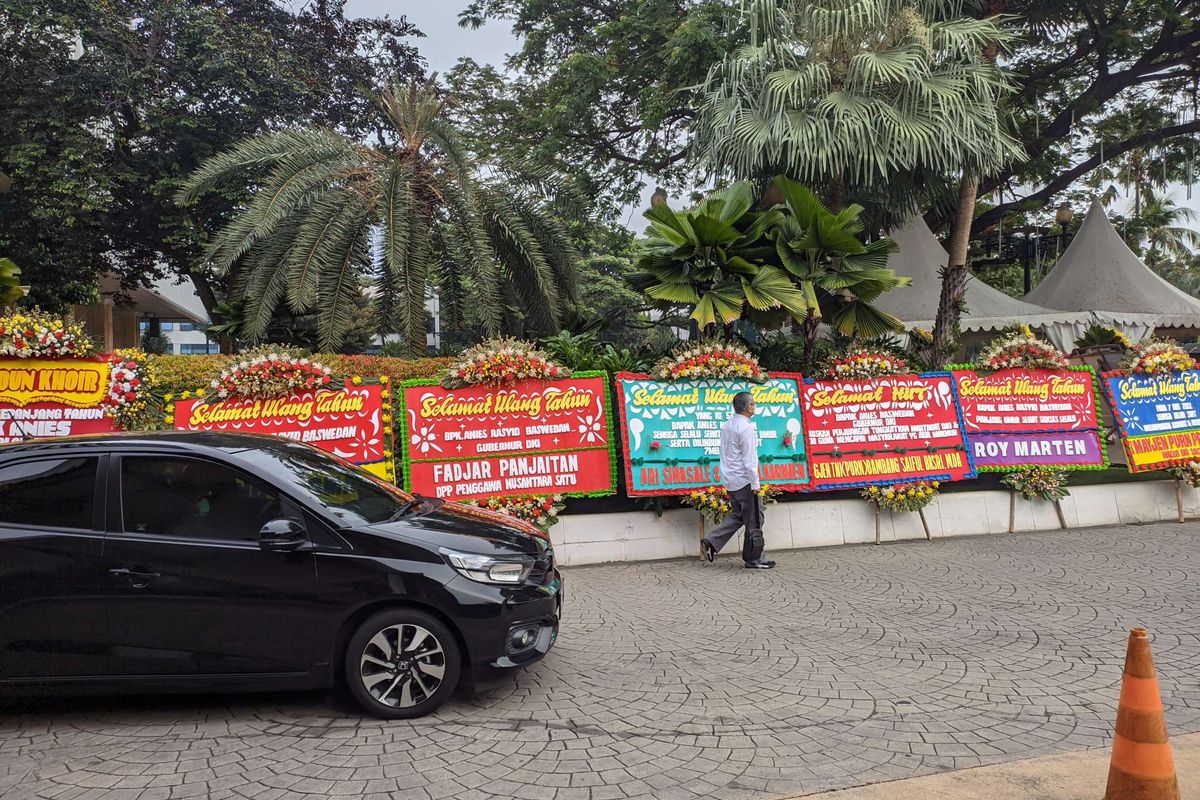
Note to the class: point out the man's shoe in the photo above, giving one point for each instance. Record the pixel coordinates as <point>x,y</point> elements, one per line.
<point>707,552</point>
<point>760,564</point>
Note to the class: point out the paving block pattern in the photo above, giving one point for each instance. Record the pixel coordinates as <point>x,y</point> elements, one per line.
<point>676,680</point>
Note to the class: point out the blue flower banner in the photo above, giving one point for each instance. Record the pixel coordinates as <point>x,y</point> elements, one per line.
<point>672,432</point>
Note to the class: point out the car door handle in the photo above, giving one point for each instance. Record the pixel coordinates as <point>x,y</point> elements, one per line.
<point>137,579</point>
<point>133,573</point>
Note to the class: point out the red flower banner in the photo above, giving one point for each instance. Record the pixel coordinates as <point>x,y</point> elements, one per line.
<point>1027,400</point>
<point>883,430</point>
<point>529,437</point>
<point>353,423</point>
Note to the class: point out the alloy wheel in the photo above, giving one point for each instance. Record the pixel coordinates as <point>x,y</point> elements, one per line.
<point>403,665</point>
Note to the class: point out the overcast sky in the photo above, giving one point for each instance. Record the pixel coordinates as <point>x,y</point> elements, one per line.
<point>445,42</point>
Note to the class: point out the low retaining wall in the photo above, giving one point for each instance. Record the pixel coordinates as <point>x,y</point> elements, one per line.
<point>642,536</point>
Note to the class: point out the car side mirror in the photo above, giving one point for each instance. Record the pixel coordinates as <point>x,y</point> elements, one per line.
<point>282,536</point>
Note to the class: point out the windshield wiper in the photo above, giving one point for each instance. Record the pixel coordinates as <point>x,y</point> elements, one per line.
<point>405,509</point>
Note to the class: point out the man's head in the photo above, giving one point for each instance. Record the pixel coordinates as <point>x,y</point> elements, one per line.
<point>743,403</point>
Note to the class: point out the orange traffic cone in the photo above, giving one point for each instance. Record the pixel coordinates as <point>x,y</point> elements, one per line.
<point>1142,767</point>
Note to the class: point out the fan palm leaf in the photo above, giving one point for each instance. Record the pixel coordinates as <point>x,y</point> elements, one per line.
<point>860,92</point>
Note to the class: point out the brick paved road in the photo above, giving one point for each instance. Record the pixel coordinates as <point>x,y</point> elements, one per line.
<point>672,680</point>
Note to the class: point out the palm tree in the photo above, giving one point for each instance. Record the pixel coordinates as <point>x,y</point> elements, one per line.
<point>331,216</point>
<point>1159,232</point>
<point>882,98</point>
<point>839,275</point>
<point>850,95</point>
<point>710,259</point>
<point>797,260</point>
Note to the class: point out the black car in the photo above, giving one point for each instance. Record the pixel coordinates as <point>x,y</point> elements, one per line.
<point>195,561</point>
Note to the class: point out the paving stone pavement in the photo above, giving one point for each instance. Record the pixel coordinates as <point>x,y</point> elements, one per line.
<point>675,680</point>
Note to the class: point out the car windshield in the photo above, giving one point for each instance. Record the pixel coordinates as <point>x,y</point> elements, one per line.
<point>351,494</point>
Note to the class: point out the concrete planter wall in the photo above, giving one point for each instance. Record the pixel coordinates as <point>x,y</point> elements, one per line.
<point>641,536</point>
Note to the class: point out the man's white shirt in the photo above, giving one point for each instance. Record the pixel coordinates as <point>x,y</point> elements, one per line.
<point>739,453</point>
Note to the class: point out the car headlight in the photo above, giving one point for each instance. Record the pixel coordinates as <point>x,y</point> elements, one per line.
<point>486,569</point>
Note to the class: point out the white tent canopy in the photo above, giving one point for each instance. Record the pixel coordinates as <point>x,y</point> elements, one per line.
<point>1100,274</point>
<point>921,257</point>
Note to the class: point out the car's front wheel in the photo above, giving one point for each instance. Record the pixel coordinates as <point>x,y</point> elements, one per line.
<point>402,663</point>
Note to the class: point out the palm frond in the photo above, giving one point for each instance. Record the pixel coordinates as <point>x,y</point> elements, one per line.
<point>397,220</point>
<point>862,319</point>
<point>263,286</point>
<point>323,236</point>
<point>295,183</point>
<point>520,252</point>
<point>340,284</point>
<point>269,148</point>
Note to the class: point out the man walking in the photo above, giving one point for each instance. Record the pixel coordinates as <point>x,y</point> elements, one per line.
<point>739,471</point>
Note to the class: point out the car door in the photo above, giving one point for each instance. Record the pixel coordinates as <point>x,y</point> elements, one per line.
<point>190,590</point>
<point>51,533</point>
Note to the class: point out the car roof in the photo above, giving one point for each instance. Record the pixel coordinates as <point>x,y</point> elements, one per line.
<point>196,441</point>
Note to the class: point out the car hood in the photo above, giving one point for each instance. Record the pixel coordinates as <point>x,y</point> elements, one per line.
<point>464,528</point>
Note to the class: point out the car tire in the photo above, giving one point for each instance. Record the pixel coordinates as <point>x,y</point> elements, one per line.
<point>402,663</point>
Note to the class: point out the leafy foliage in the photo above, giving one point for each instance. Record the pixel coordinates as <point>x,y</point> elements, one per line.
<point>1102,336</point>
<point>584,351</point>
<point>1102,91</point>
<point>1046,483</point>
<point>11,289</point>
<point>603,91</point>
<point>840,275</point>
<point>306,238</point>
<point>711,259</point>
<point>873,96</point>
<point>98,131</point>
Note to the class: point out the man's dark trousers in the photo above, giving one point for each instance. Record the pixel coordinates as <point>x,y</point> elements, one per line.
<point>746,510</point>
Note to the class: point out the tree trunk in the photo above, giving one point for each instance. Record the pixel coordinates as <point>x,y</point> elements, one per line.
<point>954,278</point>
<point>208,298</point>
<point>837,195</point>
<point>808,329</point>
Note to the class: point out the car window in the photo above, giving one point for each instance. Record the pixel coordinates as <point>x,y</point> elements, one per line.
<point>349,493</point>
<point>188,497</point>
<point>54,493</point>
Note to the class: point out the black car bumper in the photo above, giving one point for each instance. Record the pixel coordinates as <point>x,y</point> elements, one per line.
<point>507,628</point>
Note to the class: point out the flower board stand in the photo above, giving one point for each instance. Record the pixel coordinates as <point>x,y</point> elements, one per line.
<point>920,513</point>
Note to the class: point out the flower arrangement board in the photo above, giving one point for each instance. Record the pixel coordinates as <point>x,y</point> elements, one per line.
<point>672,431</point>
<point>1020,418</point>
<point>1158,416</point>
<point>353,422</point>
<point>50,397</point>
<point>530,436</point>
<point>885,430</point>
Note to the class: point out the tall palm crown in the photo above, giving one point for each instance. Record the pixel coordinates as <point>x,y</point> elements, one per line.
<point>856,94</point>
<point>1161,231</point>
<point>331,216</point>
